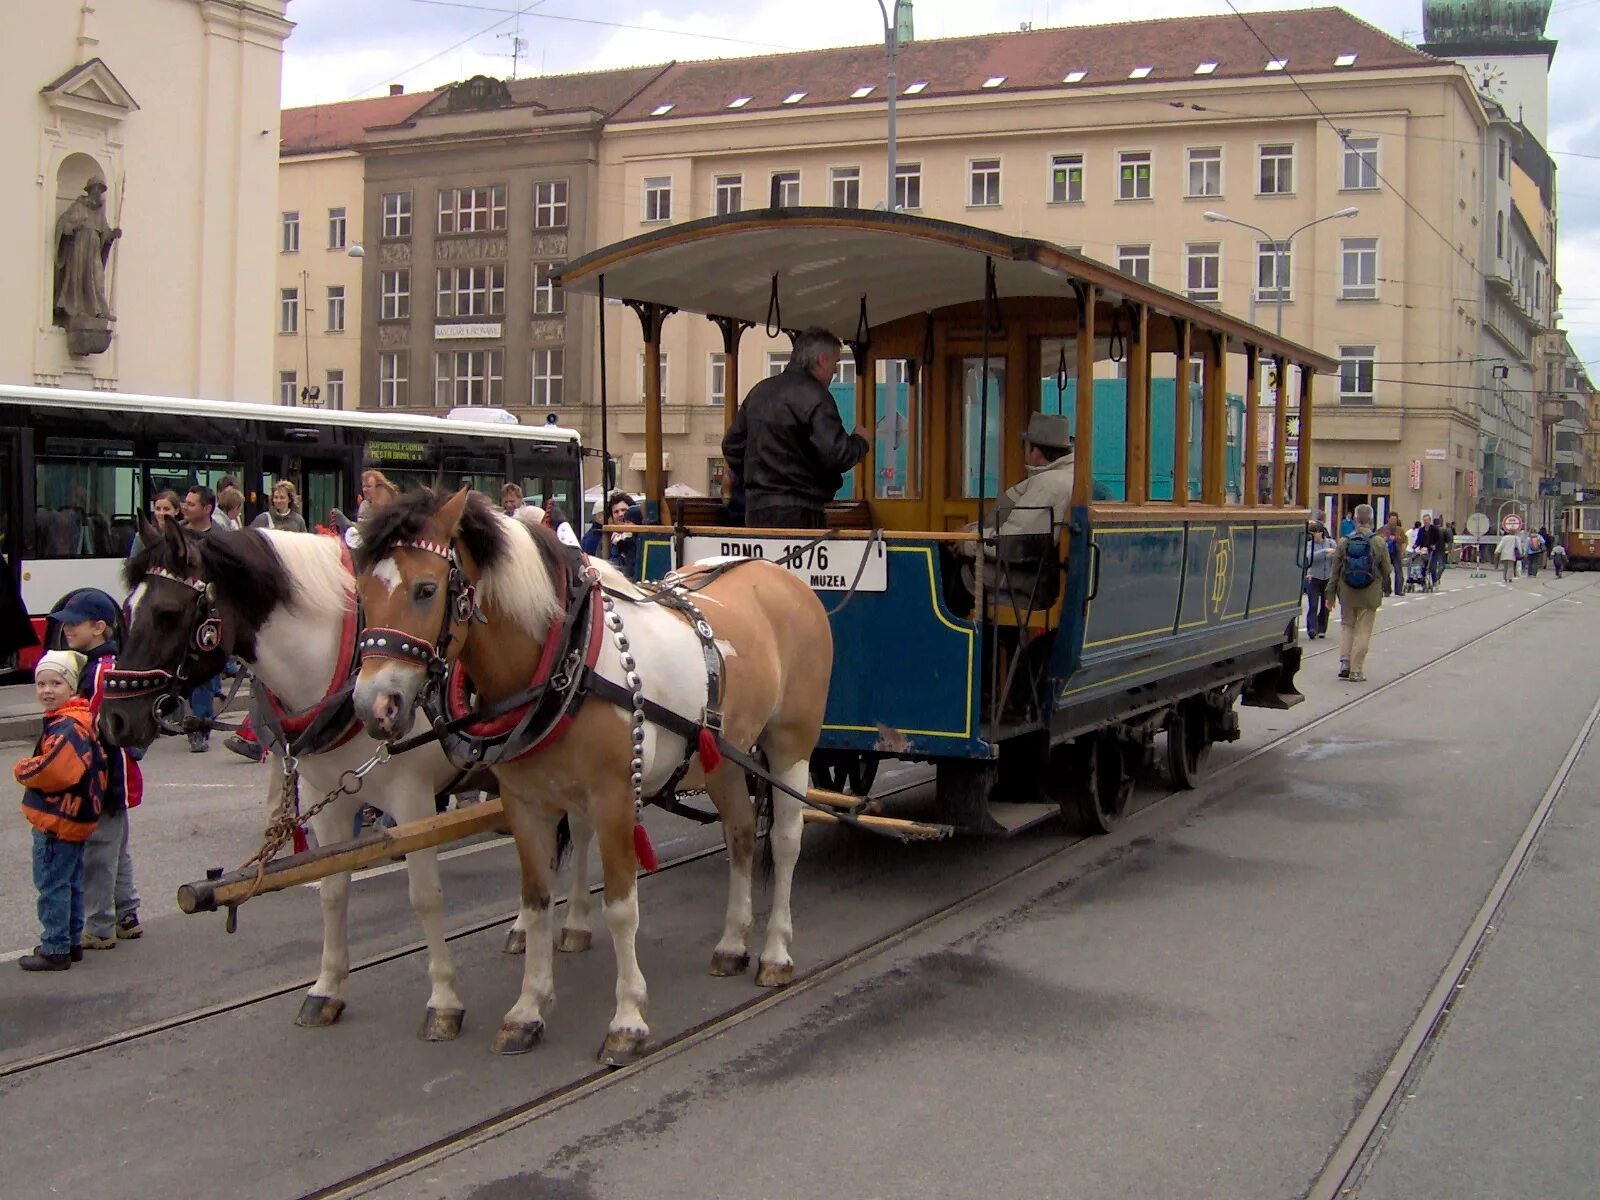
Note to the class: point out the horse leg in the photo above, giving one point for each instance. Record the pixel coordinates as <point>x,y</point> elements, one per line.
<point>534,831</point>
<point>625,1040</point>
<point>732,798</point>
<point>575,935</point>
<point>410,800</point>
<point>325,1001</point>
<point>777,964</point>
<point>517,935</point>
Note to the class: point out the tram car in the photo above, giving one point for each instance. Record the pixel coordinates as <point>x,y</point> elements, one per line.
<point>1580,535</point>
<point>1042,680</point>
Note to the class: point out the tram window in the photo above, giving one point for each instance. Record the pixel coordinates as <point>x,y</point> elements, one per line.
<point>84,508</point>
<point>898,436</point>
<point>972,399</point>
<point>1058,395</point>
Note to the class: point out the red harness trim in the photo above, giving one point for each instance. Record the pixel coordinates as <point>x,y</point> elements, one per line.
<point>299,723</point>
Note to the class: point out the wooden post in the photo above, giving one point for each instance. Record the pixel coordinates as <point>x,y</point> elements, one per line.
<point>1280,429</point>
<point>1303,468</point>
<point>1083,437</point>
<point>1249,493</point>
<point>867,415</point>
<point>1214,437</point>
<point>653,483</point>
<point>732,331</point>
<point>1136,461</point>
<point>1181,424</point>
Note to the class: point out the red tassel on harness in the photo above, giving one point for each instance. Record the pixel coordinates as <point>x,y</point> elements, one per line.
<point>644,851</point>
<point>710,756</point>
<point>300,844</point>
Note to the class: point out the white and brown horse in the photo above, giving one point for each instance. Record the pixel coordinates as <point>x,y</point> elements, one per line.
<point>285,604</point>
<point>496,616</point>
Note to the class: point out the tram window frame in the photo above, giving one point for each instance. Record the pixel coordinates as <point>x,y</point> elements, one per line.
<point>889,482</point>
<point>970,410</point>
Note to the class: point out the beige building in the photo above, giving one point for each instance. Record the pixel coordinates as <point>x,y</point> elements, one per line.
<point>174,103</point>
<point>317,298</point>
<point>1120,140</point>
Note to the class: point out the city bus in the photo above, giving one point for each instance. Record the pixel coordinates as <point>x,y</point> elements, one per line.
<point>75,468</point>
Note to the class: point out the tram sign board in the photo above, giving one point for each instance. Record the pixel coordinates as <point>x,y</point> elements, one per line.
<point>831,566</point>
<point>1511,523</point>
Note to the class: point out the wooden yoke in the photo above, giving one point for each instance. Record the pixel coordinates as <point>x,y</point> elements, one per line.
<point>1083,436</point>
<point>1136,461</point>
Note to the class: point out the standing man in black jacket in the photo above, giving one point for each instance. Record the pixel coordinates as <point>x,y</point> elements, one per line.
<point>787,445</point>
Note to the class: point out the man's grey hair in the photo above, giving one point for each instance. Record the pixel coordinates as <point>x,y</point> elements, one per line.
<point>1364,516</point>
<point>811,344</point>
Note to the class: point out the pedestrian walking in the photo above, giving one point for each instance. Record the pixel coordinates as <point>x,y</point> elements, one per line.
<point>1558,558</point>
<point>1394,538</point>
<point>1508,550</point>
<point>1319,570</point>
<point>63,783</point>
<point>1360,566</point>
<point>1534,553</point>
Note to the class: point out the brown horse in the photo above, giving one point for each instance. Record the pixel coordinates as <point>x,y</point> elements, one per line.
<point>447,578</point>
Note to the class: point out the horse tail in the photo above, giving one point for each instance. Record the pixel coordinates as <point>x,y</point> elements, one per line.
<point>563,839</point>
<point>761,795</point>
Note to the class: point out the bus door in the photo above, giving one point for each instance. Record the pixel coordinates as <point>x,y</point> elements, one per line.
<point>326,478</point>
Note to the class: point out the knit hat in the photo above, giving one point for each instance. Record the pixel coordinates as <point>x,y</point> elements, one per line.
<point>66,663</point>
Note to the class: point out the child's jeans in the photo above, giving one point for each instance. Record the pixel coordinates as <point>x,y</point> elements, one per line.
<point>107,876</point>
<point>58,878</point>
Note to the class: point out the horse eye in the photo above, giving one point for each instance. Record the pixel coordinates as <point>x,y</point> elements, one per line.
<point>426,591</point>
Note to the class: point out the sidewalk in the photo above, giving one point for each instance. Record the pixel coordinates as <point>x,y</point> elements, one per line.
<point>19,711</point>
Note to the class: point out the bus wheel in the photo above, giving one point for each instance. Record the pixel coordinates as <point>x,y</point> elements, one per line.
<point>1188,744</point>
<point>1093,778</point>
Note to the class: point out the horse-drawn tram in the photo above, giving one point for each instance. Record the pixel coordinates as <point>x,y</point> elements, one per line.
<point>1163,595</point>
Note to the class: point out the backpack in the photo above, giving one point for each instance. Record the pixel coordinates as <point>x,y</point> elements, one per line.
<point>1358,569</point>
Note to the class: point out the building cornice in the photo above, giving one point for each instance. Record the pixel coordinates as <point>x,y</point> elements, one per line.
<point>264,22</point>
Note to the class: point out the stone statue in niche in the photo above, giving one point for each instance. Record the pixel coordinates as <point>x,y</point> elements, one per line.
<point>83,242</point>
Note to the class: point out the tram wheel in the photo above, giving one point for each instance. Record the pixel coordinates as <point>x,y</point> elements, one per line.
<point>1094,779</point>
<point>1188,744</point>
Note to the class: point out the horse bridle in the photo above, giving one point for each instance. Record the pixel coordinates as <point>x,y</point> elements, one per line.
<point>204,637</point>
<point>461,607</point>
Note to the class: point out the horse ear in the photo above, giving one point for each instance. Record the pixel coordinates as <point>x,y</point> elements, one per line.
<point>450,513</point>
<point>149,535</point>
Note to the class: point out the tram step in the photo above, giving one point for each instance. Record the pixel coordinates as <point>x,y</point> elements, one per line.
<point>1014,817</point>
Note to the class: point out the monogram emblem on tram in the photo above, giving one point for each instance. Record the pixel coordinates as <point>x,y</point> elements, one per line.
<point>1220,576</point>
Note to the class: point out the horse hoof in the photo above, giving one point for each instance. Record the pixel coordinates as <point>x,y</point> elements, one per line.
<point>518,1038</point>
<point>318,1012</point>
<point>441,1024</point>
<point>574,941</point>
<point>775,975</point>
<point>622,1047</point>
<point>725,963</point>
<point>516,941</point>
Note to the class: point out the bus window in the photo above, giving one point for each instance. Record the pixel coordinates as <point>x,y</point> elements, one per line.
<point>971,416</point>
<point>85,500</point>
<point>898,437</point>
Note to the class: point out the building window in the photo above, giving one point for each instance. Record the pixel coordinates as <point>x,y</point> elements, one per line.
<point>291,233</point>
<point>336,229</point>
<point>468,378</point>
<point>1066,179</point>
<point>1359,258</point>
<point>658,198</point>
<point>716,472</point>
<point>1277,170</point>
<point>289,310</point>
<point>548,366</point>
<point>717,380</point>
<point>1273,271</point>
<point>908,186</point>
<point>1202,272</point>
<point>1135,261</point>
<point>288,388</point>
<point>1355,374</point>
<point>844,371</point>
<point>472,209</point>
<point>846,187</point>
<point>983,182</point>
<point>642,396</point>
<point>333,394</point>
<point>394,295</point>
<point>550,204</point>
<point>397,214</point>
<point>336,308</point>
<point>1133,175</point>
<point>548,297</point>
<point>785,189</point>
<point>1500,164</point>
<point>729,194</point>
<point>1205,171</point>
<point>777,360</point>
<point>393,368</point>
<point>472,291</point>
<point>1360,163</point>
<point>1500,235</point>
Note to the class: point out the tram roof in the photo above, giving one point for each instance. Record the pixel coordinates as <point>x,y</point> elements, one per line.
<point>826,260</point>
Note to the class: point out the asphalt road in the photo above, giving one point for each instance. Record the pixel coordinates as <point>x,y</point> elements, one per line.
<point>1195,1006</point>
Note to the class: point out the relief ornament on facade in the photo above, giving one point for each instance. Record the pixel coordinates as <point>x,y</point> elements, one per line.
<point>83,240</point>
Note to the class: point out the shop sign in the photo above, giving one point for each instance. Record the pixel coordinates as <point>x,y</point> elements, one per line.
<point>1416,474</point>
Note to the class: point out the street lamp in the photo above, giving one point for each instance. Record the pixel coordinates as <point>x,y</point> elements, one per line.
<point>891,44</point>
<point>1280,247</point>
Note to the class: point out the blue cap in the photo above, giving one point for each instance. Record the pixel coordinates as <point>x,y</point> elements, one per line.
<point>90,604</point>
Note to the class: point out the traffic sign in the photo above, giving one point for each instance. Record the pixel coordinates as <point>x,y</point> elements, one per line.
<point>1512,523</point>
<point>1478,524</point>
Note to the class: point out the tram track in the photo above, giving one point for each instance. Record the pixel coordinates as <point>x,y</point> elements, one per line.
<point>1169,808</point>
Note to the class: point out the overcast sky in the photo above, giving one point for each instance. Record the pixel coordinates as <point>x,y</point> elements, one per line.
<point>342,49</point>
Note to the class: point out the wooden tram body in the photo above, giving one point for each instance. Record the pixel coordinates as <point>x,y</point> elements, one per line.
<point>1141,616</point>
<point>1580,534</point>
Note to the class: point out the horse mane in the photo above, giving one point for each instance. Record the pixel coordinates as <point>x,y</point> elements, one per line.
<point>246,572</point>
<point>316,570</point>
<point>169,552</point>
<point>517,575</point>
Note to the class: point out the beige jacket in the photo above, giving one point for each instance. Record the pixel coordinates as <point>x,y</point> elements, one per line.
<point>1036,505</point>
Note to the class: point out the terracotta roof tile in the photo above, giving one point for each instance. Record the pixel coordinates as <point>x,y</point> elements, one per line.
<point>1031,61</point>
<point>338,126</point>
<point>602,91</point>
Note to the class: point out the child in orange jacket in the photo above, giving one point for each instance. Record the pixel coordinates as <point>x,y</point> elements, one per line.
<point>63,784</point>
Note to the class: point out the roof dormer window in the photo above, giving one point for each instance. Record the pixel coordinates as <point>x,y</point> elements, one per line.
<point>662,110</point>
<point>1205,68</point>
<point>994,81</point>
<point>794,97</point>
<point>1140,73</point>
<point>1277,64</point>
<point>1074,77</point>
<point>862,92</point>
<point>739,101</point>
<point>1345,60</point>
<point>913,88</point>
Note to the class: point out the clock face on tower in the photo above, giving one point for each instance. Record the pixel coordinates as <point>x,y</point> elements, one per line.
<point>1491,81</point>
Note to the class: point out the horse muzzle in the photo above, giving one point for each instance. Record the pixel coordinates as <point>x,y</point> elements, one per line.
<point>385,697</point>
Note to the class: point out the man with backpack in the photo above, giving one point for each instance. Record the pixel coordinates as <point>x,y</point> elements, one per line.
<point>1361,572</point>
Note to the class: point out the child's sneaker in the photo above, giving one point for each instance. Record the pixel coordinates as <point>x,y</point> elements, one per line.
<point>90,942</point>
<point>129,928</point>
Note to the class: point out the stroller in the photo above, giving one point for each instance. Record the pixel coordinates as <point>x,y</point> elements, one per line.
<point>1417,577</point>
